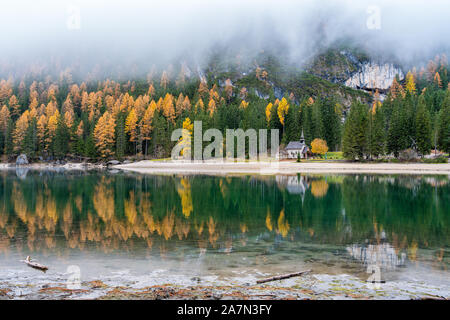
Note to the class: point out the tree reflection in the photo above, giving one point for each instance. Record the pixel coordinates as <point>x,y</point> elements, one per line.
<point>51,212</point>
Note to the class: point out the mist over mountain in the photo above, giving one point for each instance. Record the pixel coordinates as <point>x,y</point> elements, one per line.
<point>131,37</point>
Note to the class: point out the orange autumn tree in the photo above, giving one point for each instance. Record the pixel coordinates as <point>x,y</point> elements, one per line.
<point>131,127</point>
<point>319,146</point>
<point>104,135</point>
<point>437,80</point>
<point>211,107</point>
<point>4,119</point>
<point>21,130</point>
<point>14,106</point>
<point>168,108</point>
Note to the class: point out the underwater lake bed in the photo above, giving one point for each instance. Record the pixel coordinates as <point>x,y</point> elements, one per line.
<point>97,231</point>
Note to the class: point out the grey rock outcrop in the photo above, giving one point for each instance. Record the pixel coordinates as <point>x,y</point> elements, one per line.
<point>22,160</point>
<point>373,76</point>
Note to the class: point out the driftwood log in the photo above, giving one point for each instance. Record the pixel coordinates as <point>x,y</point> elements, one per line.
<point>34,265</point>
<point>284,276</point>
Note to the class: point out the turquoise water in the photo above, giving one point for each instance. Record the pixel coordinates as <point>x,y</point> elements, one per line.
<point>172,227</point>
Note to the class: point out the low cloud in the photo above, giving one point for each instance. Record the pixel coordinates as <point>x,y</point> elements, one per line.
<point>120,33</point>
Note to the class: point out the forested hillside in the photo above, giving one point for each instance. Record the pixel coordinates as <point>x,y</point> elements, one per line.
<point>55,115</point>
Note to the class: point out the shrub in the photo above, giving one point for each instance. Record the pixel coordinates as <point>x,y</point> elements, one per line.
<point>440,159</point>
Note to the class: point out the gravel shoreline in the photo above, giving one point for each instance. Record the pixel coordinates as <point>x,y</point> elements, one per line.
<point>223,168</point>
<point>311,287</point>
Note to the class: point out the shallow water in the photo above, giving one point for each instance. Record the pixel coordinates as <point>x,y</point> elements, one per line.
<point>141,230</point>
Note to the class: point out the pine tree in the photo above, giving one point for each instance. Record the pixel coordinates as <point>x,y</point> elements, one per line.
<point>397,137</point>
<point>331,123</point>
<point>120,136</point>
<point>61,140</point>
<point>423,128</point>
<point>443,134</point>
<point>131,128</point>
<point>30,140</point>
<point>354,144</point>
<point>146,125</point>
<point>376,133</point>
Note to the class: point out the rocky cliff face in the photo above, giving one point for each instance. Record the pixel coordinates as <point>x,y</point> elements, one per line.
<point>371,76</point>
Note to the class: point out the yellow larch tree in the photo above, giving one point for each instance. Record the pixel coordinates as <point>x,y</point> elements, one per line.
<point>20,130</point>
<point>131,126</point>
<point>179,104</point>
<point>268,111</point>
<point>185,139</point>
<point>199,106</point>
<point>243,105</point>
<point>4,118</point>
<point>410,83</point>
<point>52,125</point>
<point>146,124</point>
<point>186,104</point>
<point>168,108</point>
<point>203,89</point>
<point>282,110</point>
<point>211,107</point>
<point>437,80</point>
<point>396,90</point>
<point>42,132</point>
<point>104,135</point>
<point>14,106</point>
<point>213,94</point>
<point>69,117</point>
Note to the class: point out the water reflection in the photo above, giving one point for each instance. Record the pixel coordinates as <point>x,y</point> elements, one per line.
<point>376,219</point>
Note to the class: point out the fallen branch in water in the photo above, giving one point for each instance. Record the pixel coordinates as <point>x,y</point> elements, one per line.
<point>34,265</point>
<point>284,276</point>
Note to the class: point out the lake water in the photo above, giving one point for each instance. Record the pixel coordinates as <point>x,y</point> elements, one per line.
<point>144,229</point>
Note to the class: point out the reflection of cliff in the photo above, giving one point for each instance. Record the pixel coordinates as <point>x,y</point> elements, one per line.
<point>383,255</point>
